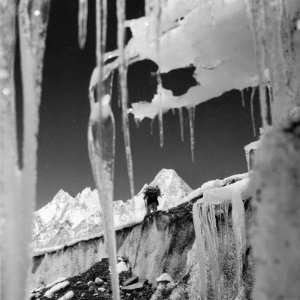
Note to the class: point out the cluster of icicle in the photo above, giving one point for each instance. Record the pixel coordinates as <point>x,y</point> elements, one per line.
<point>18,184</point>
<point>272,33</point>
<point>213,240</point>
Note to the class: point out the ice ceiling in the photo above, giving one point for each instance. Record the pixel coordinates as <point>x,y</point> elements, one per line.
<point>221,52</point>
<point>214,37</point>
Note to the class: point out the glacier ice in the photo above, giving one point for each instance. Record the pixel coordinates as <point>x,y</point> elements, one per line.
<point>210,248</point>
<point>82,22</point>
<point>124,91</point>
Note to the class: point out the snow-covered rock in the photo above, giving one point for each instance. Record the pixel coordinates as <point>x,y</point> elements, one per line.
<point>66,219</point>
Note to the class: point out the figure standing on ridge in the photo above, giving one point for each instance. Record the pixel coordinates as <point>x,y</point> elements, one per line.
<point>151,194</point>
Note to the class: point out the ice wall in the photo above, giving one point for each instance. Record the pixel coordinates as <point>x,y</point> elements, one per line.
<point>215,242</point>
<point>276,230</point>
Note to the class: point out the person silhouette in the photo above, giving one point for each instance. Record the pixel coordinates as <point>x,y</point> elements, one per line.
<point>151,194</point>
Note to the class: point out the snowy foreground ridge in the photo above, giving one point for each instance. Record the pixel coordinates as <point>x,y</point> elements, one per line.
<point>67,220</point>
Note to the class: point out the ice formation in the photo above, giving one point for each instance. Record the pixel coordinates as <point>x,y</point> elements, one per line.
<point>207,212</point>
<point>101,142</point>
<point>19,202</point>
<point>121,15</point>
<point>253,90</point>
<point>275,31</point>
<point>157,9</point>
<point>9,186</point>
<point>243,98</point>
<point>212,59</point>
<point>82,22</point>
<point>181,123</point>
<point>101,145</point>
<point>275,231</point>
<point>191,114</point>
<point>257,14</point>
<point>275,40</point>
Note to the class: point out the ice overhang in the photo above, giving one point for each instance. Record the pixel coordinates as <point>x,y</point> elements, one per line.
<point>214,37</point>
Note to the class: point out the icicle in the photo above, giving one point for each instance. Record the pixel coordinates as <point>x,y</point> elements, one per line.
<point>124,91</point>
<point>82,22</point>
<point>209,227</point>
<point>151,126</point>
<point>33,18</point>
<point>238,224</point>
<point>148,7</point>
<point>225,226</point>
<point>181,123</point>
<point>211,8</point>
<point>157,23</point>
<point>257,12</point>
<point>275,50</point>
<point>137,122</point>
<point>101,19</point>
<point>161,128</point>
<point>243,98</point>
<point>191,113</point>
<point>101,145</point>
<point>252,110</point>
<point>200,242</point>
<point>9,186</point>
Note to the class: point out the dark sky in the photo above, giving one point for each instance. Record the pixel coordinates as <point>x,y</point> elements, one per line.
<point>222,125</point>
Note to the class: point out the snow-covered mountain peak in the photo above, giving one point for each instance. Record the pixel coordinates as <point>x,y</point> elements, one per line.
<point>172,186</point>
<point>68,218</point>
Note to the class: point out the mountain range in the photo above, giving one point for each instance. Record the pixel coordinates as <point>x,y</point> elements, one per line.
<point>66,219</point>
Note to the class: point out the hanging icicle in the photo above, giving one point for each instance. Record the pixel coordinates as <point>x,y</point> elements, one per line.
<point>82,22</point>
<point>151,126</point>
<point>238,225</point>
<point>214,233</point>
<point>257,13</point>
<point>101,144</point>
<point>12,285</point>
<point>211,8</point>
<point>252,97</point>
<point>181,123</point>
<point>33,20</point>
<point>191,114</point>
<point>200,243</point>
<point>137,122</point>
<point>157,11</point>
<point>243,98</point>
<point>121,14</point>
<point>148,7</point>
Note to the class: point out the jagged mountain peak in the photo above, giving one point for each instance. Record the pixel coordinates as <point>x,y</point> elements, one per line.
<point>172,186</point>
<point>80,216</point>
